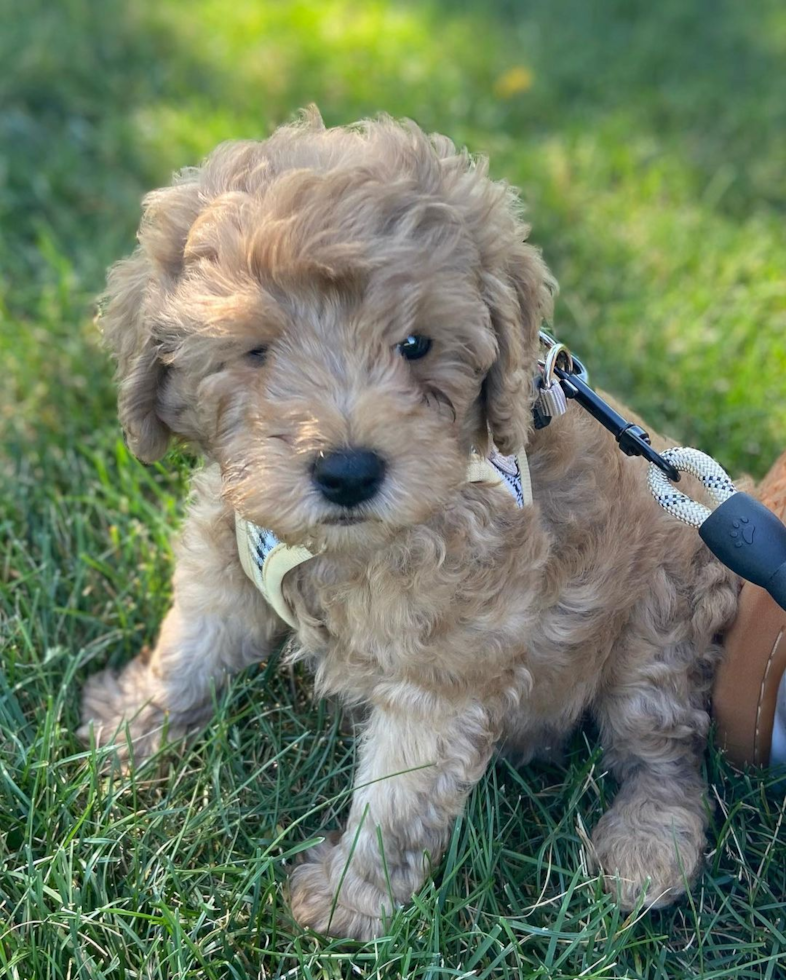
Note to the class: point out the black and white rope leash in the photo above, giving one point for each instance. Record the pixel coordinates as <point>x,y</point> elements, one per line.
<point>712,476</point>
<point>741,532</point>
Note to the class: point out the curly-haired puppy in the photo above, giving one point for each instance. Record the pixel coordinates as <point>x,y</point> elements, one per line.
<point>366,296</point>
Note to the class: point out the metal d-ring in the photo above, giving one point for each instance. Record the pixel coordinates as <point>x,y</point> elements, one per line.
<point>553,355</point>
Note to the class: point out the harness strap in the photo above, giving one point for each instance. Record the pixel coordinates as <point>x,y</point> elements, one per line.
<point>267,561</point>
<point>268,573</point>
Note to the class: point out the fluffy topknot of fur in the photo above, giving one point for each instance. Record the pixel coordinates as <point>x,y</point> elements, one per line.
<point>313,205</point>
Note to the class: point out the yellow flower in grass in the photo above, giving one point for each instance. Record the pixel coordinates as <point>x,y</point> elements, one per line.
<point>514,81</point>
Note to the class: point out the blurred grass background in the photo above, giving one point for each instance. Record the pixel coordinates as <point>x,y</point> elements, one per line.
<point>649,141</point>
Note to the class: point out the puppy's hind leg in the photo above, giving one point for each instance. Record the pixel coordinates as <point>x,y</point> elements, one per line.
<point>654,731</point>
<point>217,625</point>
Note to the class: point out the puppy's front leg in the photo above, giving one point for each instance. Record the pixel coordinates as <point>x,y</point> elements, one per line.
<point>418,760</point>
<point>217,625</point>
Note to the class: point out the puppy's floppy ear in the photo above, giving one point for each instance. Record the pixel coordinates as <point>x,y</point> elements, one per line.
<point>519,297</point>
<point>136,286</point>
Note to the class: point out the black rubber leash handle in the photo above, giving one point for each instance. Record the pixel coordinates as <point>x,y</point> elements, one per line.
<point>751,541</point>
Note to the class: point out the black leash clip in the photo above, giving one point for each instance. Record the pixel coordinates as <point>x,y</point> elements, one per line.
<point>573,379</point>
<point>633,440</point>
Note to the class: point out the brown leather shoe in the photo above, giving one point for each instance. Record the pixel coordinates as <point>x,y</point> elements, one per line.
<point>749,697</point>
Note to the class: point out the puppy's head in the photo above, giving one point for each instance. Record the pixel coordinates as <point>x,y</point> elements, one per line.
<point>335,316</point>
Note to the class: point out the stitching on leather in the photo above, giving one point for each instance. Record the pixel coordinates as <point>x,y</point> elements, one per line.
<point>775,646</point>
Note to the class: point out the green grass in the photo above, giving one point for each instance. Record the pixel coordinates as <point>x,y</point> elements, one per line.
<point>650,147</point>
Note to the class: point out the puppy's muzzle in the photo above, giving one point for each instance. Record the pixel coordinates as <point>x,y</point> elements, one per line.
<point>349,476</point>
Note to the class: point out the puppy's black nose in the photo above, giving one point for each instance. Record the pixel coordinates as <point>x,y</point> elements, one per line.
<point>349,476</point>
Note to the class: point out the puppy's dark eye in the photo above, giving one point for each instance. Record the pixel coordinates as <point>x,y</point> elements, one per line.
<point>414,347</point>
<point>257,355</point>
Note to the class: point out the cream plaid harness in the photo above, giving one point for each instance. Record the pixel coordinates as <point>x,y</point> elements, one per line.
<point>266,560</point>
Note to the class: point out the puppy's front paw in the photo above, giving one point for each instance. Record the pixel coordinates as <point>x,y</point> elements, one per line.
<point>646,848</point>
<point>356,911</point>
<point>118,711</point>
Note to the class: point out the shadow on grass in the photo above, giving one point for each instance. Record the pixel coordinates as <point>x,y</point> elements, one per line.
<point>705,79</point>
<point>74,77</point>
